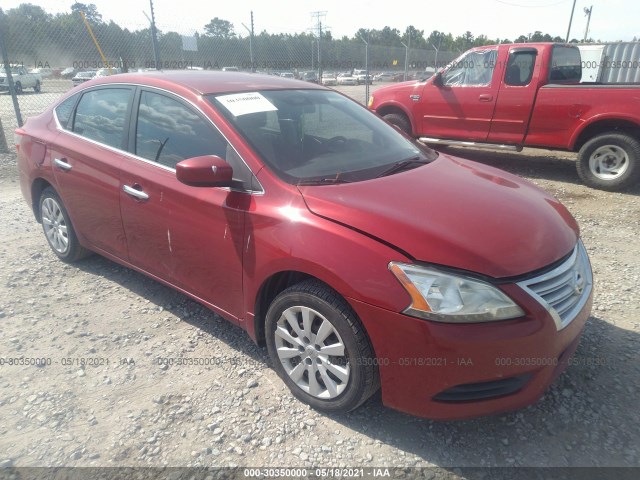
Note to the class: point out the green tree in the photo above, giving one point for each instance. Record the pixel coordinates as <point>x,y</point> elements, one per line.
<point>90,12</point>
<point>219,28</point>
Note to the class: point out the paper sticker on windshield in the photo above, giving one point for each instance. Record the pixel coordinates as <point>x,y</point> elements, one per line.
<point>245,103</point>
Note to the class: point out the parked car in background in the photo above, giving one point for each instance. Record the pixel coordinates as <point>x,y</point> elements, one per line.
<point>105,72</point>
<point>329,79</point>
<point>525,95</point>
<point>68,72</point>
<point>362,77</point>
<point>287,75</point>
<point>22,79</point>
<point>310,76</point>
<point>83,76</point>
<point>383,77</point>
<point>229,69</point>
<point>237,208</point>
<point>346,79</point>
<point>43,72</point>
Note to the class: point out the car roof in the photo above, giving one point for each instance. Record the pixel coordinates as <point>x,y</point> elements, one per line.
<point>206,81</point>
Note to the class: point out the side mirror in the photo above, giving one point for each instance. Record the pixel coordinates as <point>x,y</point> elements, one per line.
<point>205,171</point>
<point>437,79</point>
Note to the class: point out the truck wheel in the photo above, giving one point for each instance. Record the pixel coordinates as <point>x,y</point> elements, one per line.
<point>37,87</point>
<point>18,88</point>
<point>320,349</point>
<point>610,161</point>
<point>400,121</point>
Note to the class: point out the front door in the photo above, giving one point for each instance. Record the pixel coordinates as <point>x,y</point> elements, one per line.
<point>461,107</point>
<point>190,236</point>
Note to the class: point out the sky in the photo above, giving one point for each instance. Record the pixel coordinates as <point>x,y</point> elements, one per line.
<point>611,20</point>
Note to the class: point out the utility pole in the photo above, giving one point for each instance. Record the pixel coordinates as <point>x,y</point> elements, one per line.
<point>253,67</point>
<point>319,16</point>
<point>406,55</point>
<point>366,67</point>
<point>570,20</point>
<point>587,12</point>
<point>154,37</point>
<point>319,51</point>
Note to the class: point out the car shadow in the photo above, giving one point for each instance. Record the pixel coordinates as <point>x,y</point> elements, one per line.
<point>533,164</point>
<point>586,418</point>
<point>175,303</point>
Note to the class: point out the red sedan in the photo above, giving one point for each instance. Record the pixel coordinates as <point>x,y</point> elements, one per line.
<point>362,259</point>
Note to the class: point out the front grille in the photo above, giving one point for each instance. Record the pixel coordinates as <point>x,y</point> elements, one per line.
<point>470,392</point>
<point>564,290</point>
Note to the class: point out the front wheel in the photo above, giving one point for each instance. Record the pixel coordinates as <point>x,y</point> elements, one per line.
<point>37,87</point>
<point>58,229</point>
<point>400,121</point>
<point>610,161</point>
<point>18,88</point>
<point>320,349</point>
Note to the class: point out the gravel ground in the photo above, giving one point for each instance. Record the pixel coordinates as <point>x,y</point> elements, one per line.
<point>125,409</point>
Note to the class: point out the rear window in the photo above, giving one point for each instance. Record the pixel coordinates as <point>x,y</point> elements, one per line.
<point>566,65</point>
<point>101,115</point>
<point>65,110</point>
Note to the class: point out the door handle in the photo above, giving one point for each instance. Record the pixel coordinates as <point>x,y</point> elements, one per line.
<point>62,163</point>
<point>135,192</point>
<point>485,97</point>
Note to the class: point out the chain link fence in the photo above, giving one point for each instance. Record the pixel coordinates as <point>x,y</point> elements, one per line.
<point>47,56</point>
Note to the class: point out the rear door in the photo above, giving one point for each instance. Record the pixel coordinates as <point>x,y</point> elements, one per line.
<point>192,237</point>
<point>86,157</point>
<point>516,96</point>
<point>462,106</point>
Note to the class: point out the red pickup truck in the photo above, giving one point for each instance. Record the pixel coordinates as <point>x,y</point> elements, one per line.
<point>524,95</point>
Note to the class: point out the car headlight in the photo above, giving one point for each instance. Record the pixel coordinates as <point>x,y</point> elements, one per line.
<point>445,297</point>
<point>370,102</point>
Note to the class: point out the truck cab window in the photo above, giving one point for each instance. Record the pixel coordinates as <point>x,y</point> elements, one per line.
<point>473,69</point>
<point>520,68</point>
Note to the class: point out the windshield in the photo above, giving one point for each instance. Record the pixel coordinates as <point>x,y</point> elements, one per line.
<point>318,136</point>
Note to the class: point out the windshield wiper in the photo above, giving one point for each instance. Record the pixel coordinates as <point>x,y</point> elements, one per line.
<point>324,181</point>
<point>406,164</point>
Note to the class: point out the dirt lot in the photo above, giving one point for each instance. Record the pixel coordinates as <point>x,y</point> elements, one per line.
<point>126,409</point>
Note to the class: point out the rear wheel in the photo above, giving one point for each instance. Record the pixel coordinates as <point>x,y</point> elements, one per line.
<point>400,121</point>
<point>320,349</point>
<point>610,161</point>
<point>37,87</point>
<point>58,229</point>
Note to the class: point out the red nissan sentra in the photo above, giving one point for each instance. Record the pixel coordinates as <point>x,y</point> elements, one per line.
<point>362,259</point>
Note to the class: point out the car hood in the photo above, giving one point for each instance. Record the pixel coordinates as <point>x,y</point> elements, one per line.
<point>456,213</point>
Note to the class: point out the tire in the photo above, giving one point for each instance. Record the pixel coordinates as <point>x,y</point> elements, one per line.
<point>58,229</point>
<point>18,88</point>
<point>342,381</point>
<point>610,161</point>
<point>400,121</point>
<point>37,87</point>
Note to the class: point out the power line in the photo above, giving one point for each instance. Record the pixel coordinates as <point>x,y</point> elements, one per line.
<point>531,6</point>
<point>319,16</point>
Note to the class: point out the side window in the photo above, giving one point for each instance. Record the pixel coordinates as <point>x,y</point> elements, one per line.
<point>65,110</point>
<point>474,69</point>
<point>169,131</point>
<point>566,65</point>
<point>101,115</point>
<point>520,68</point>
